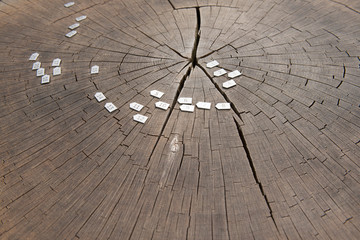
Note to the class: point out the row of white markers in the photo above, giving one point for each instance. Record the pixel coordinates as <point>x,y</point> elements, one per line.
<point>75,25</point>
<point>220,72</point>
<point>40,72</point>
<point>184,101</point>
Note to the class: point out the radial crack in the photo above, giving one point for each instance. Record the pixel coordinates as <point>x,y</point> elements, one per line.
<point>192,60</point>
<point>197,38</point>
<point>172,106</point>
<point>252,166</point>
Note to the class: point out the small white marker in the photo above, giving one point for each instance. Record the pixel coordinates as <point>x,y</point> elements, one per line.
<point>156,93</point>
<point>234,74</point>
<point>56,71</point>
<point>45,79</point>
<point>78,19</point>
<point>110,107</point>
<point>94,69</point>
<point>40,72</point>
<point>36,65</point>
<point>74,26</point>
<point>219,73</point>
<point>187,108</point>
<point>223,106</point>
<point>212,64</point>
<point>69,4</point>
<point>162,105</point>
<point>100,96</point>
<point>71,34</point>
<point>136,106</point>
<point>140,118</point>
<point>34,56</point>
<point>56,62</point>
<point>203,105</point>
<point>185,100</point>
<point>229,84</point>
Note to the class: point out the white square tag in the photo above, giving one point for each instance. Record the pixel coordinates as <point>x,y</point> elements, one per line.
<point>162,105</point>
<point>234,74</point>
<point>187,108</point>
<point>69,4</point>
<point>136,106</point>
<point>71,34</point>
<point>185,100</point>
<point>40,72</point>
<point>229,84</point>
<point>57,71</point>
<point>36,65</point>
<point>94,69</point>
<point>56,62</point>
<point>45,79</point>
<point>219,73</point>
<point>203,105</point>
<point>73,26</point>
<point>212,64</point>
<point>100,96</point>
<point>223,106</point>
<point>156,93</point>
<point>140,118</point>
<point>110,107</point>
<point>34,56</point>
<point>78,19</point>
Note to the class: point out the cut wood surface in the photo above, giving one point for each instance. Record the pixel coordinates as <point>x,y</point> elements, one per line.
<point>282,163</point>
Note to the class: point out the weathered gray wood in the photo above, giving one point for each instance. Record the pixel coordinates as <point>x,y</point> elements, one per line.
<point>281,163</point>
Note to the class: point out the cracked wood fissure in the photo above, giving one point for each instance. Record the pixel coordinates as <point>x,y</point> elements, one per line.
<point>252,166</point>
<point>281,163</point>
<point>194,63</point>
<point>237,112</point>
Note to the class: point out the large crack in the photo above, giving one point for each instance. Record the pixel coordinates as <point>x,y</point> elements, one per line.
<point>243,140</point>
<point>234,108</point>
<point>252,166</point>
<point>194,63</point>
<point>193,58</point>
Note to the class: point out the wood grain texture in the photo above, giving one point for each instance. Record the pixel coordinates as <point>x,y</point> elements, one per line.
<point>282,163</point>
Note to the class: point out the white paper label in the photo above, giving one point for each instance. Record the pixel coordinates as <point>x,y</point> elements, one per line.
<point>57,71</point>
<point>80,18</point>
<point>234,74</point>
<point>36,65</point>
<point>70,34</point>
<point>110,107</point>
<point>162,105</point>
<point>156,93</point>
<point>140,118</point>
<point>136,106</point>
<point>187,108</point>
<point>223,106</point>
<point>69,4</point>
<point>212,64</point>
<point>33,56</point>
<point>219,73</point>
<point>100,96</point>
<point>56,62</point>
<point>203,105</point>
<point>229,84</point>
<point>40,72</point>
<point>185,100</point>
<point>73,26</point>
<point>94,69</point>
<point>45,79</point>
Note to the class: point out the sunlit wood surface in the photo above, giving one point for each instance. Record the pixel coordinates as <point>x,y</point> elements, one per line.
<point>282,163</point>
